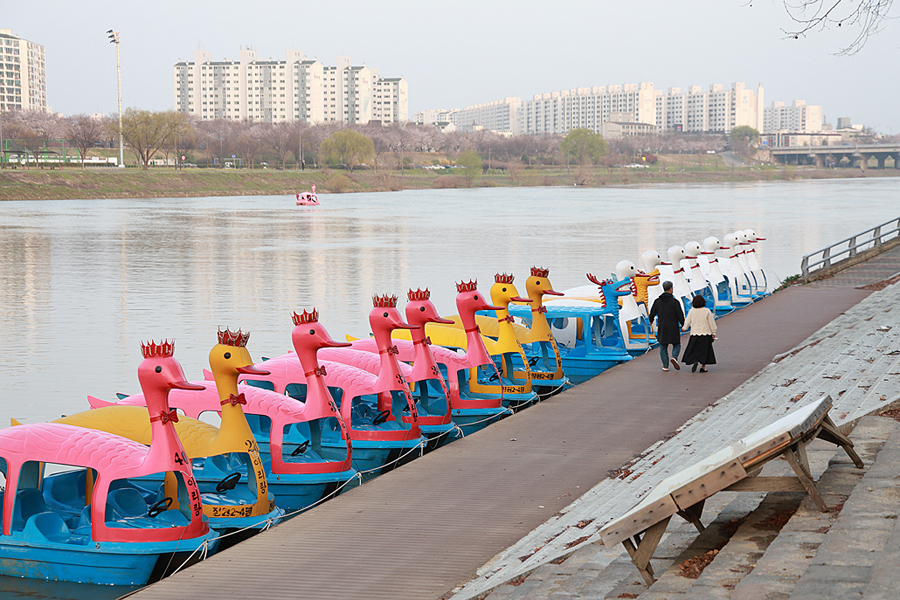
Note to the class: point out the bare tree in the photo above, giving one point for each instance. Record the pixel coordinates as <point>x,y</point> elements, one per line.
<point>84,132</point>
<point>866,16</point>
<point>282,138</point>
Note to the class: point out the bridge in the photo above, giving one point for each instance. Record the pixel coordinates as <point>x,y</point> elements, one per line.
<point>846,155</point>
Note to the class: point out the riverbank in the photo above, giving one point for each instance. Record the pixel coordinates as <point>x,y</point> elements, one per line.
<point>36,184</point>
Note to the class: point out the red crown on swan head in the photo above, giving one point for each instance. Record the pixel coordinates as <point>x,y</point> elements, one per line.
<point>161,350</point>
<point>539,272</point>
<point>237,338</point>
<point>307,317</point>
<point>384,301</point>
<point>467,286</point>
<point>418,294</point>
<point>503,278</point>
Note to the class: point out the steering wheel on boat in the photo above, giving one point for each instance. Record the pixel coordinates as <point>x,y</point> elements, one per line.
<point>533,361</point>
<point>301,448</point>
<point>494,377</point>
<point>381,417</point>
<point>159,507</point>
<point>228,482</point>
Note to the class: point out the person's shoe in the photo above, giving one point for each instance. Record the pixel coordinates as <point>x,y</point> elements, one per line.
<point>704,371</point>
<point>675,364</point>
<point>665,368</point>
<point>694,368</point>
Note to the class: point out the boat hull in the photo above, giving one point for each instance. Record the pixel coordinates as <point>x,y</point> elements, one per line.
<point>101,563</point>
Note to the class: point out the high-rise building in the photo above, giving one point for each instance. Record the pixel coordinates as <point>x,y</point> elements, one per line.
<point>498,116</point>
<point>561,112</point>
<point>23,82</point>
<point>799,117</point>
<point>717,109</point>
<point>294,89</point>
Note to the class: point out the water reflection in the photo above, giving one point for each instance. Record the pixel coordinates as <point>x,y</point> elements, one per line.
<point>83,282</point>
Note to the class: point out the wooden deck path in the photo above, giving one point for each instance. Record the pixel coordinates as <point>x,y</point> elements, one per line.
<point>425,528</point>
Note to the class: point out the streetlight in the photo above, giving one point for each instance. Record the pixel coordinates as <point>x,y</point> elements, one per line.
<point>114,38</point>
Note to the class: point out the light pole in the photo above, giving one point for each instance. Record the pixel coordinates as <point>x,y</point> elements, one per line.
<point>114,38</point>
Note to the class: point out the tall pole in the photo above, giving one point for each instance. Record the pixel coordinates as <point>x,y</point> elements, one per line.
<point>114,38</point>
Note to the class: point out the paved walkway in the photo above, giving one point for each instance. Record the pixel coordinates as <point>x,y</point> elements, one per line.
<point>427,527</point>
<point>855,358</point>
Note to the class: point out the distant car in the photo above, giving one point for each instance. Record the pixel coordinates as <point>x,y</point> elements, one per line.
<point>636,166</point>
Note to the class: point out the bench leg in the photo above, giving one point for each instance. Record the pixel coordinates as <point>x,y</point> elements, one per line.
<point>642,551</point>
<point>692,515</point>
<point>795,456</point>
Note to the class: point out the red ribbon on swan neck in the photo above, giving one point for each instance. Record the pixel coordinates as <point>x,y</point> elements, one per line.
<point>234,400</point>
<point>166,417</point>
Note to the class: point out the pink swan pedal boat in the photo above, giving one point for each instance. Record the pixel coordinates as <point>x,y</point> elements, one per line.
<point>308,198</point>
<point>108,534</point>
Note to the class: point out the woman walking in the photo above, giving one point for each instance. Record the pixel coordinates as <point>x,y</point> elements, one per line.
<point>702,324</point>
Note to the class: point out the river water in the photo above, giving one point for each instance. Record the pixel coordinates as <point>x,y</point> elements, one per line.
<point>85,281</point>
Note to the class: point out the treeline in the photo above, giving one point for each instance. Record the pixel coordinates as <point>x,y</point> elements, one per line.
<point>170,135</point>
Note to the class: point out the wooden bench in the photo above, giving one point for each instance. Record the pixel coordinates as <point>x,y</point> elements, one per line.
<point>734,469</point>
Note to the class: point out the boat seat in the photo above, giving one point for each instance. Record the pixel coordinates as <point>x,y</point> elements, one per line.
<point>49,525</point>
<point>83,527</point>
<point>123,503</point>
<point>29,501</point>
<point>66,489</point>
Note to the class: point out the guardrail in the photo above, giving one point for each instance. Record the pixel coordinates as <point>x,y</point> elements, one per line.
<point>870,238</point>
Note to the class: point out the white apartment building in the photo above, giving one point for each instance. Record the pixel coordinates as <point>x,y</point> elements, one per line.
<point>561,112</point>
<point>497,115</point>
<point>23,81</point>
<point>715,110</point>
<point>799,117</point>
<point>295,89</point>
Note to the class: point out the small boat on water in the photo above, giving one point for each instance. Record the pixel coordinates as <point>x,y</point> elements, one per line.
<point>587,328</point>
<point>69,512</point>
<point>462,358</point>
<point>308,198</point>
<point>221,457</point>
<point>429,388</point>
<point>547,374</point>
<point>370,408</point>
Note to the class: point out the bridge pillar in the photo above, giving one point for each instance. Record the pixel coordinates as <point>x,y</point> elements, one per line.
<point>818,160</point>
<point>861,161</point>
<point>880,158</point>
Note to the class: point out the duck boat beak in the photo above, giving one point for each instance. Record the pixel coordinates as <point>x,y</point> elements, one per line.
<point>553,293</point>
<point>520,299</point>
<point>250,370</point>
<point>336,344</point>
<point>442,321</point>
<point>185,385</point>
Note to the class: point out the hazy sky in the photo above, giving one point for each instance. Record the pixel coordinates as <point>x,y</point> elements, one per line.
<point>454,54</point>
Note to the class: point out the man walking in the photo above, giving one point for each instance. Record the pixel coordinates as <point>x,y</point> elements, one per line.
<point>670,317</point>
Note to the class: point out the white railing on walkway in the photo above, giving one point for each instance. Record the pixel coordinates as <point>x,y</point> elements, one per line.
<point>870,238</point>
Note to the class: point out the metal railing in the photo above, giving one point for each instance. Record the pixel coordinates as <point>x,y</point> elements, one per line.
<point>870,238</point>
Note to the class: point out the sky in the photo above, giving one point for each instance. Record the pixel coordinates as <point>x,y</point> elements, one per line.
<point>455,54</point>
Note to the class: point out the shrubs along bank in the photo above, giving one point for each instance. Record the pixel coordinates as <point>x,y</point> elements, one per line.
<point>168,183</point>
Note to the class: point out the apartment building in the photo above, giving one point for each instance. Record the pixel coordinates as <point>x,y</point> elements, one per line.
<point>294,89</point>
<point>561,112</point>
<point>798,117</point>
<point>716,110</point>
<point>23,81</point>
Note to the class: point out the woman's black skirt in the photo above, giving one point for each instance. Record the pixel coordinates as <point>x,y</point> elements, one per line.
<point>699,350</point>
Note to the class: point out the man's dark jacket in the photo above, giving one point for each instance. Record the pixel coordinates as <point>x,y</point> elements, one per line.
<point>671,318</point>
